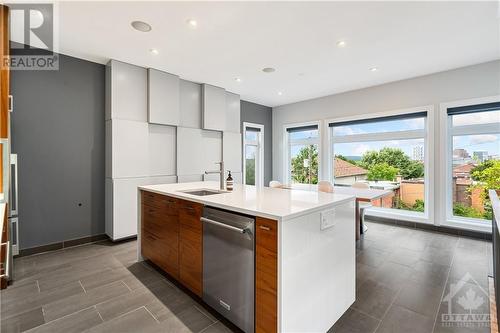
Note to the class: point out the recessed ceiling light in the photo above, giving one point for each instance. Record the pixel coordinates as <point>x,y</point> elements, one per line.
<point>280,93</point>
<point>373,69</point>
<point>268,70</point>
<point>341,43</point>
<point>237,79</point>
<point>141,26</point>
<point>154,51</point>
<point>192,23</point>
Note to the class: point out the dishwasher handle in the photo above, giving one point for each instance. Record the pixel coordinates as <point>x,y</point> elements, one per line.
<point>223,225</point>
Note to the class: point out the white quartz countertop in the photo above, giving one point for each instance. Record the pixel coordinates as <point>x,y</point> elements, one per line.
<point>273,203</point>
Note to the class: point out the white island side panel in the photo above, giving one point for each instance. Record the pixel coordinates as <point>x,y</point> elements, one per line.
<point>317,272</point>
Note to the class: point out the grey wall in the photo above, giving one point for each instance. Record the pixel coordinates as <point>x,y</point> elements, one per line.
<point>260,114</point>
<point>58,134</point>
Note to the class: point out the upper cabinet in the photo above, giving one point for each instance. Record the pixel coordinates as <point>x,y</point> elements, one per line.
<point>190,104</point>
<point>213,108</point>
<point>126,87</point>
<point>220,109</point>
<point>232,113</point>
<point>163,98</point>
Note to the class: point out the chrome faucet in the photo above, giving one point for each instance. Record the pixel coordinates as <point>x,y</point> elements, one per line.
<point>221,174</point>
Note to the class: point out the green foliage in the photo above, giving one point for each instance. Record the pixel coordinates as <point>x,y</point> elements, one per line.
<point>418,206</point>
<point>459,209</point>
<point>382,171</point>
<point>250,171</point>
<point>343,158</point>
<point>396,158</point>
<point>414,170</point>
<point>488,174</point>
<point>487,177</point>
<point>302,173</point>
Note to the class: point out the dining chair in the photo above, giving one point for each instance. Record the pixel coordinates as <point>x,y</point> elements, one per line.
<point>362,205</point>
<point>325,186</point>
<point>275,184</point>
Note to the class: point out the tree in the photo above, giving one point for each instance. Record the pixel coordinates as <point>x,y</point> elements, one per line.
<point>382,171</point>
<point>487,177</point>
<point>250,171</point>
<point>396,158</point>
<point>305,165</point>
<point>343,158</point>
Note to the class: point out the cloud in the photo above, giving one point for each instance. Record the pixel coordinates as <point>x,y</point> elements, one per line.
<point>476,118</point>
<point>483,138</point>
<point>347,130</point>
<point>361,149</point>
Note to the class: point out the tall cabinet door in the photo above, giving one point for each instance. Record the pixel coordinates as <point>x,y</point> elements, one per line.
<point>163,98</point>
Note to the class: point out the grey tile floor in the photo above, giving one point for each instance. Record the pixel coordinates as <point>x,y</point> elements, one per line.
<point>403,278</point>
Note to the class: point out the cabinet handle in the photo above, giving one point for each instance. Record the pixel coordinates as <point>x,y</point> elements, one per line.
<point>263,227</point>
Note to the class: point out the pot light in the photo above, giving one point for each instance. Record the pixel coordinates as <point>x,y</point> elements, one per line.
<point>192,23</point>
<point>141,26</point>
<point>341,43</point>
<point>373,69</point>
<point>280,93</point>
<point>237,79</point>
<point>268,70</point>
<point>154,51</point>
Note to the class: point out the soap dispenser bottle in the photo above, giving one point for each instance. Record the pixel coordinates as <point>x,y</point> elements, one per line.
<point>229,182</point>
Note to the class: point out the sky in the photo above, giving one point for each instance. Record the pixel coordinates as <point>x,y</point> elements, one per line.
<point>484,142</point>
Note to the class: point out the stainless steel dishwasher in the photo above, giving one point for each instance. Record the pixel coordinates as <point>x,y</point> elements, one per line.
<point>228,265</point>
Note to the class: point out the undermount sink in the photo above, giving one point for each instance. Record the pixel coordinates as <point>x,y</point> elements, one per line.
<point>202,192</point>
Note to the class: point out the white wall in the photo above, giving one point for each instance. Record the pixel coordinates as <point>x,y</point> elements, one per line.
<point>476,81</point>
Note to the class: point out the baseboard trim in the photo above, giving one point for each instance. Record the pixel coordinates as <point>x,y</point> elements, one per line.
<point>61,245</point>
<point>432,227</point>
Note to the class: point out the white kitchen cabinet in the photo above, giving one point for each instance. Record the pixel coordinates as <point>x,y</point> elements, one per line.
<point>121,213</point>
<point>127,86</point>
<point>189,178</point>
<point>232,113</point>
<point>163,98</point>
<point>232,151</point>
<point>197,150</point>
<point>190,104</point>
<point>162,146</point>
<point>214,108</point>
<point>129,149</point>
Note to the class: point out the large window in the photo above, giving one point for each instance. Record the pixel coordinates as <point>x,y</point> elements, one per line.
<point>473,161</point>
<point>303,154</point>
<point>253,148</point>
<point>384,153</point>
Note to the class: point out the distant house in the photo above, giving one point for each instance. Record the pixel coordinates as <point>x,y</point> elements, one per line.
<point>463,170</point>
<point>347,173</point>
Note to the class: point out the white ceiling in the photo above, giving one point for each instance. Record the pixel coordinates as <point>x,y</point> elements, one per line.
<point>238,39</point>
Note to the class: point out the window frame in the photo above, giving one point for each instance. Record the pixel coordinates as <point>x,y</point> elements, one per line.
<point>287,144</point>
<point>259,170</point>
<point>427,134</point>
<point>446,170</point>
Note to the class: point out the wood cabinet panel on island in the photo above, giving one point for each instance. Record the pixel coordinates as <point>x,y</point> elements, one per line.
<point>172,238</point>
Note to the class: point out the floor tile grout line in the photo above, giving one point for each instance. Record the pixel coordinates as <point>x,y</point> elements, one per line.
<point>53,320</point>
<point>126,285</point>
<point>95,307</point>
<point>202,312</point>
<point>388,308</point>
<point>366,314</point>
<point>81,284</point>
<point>445,284</point>
<point>206,328</point>
<point>152,315</point>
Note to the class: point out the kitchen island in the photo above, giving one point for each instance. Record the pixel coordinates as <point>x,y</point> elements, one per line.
<point>303,249</point>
